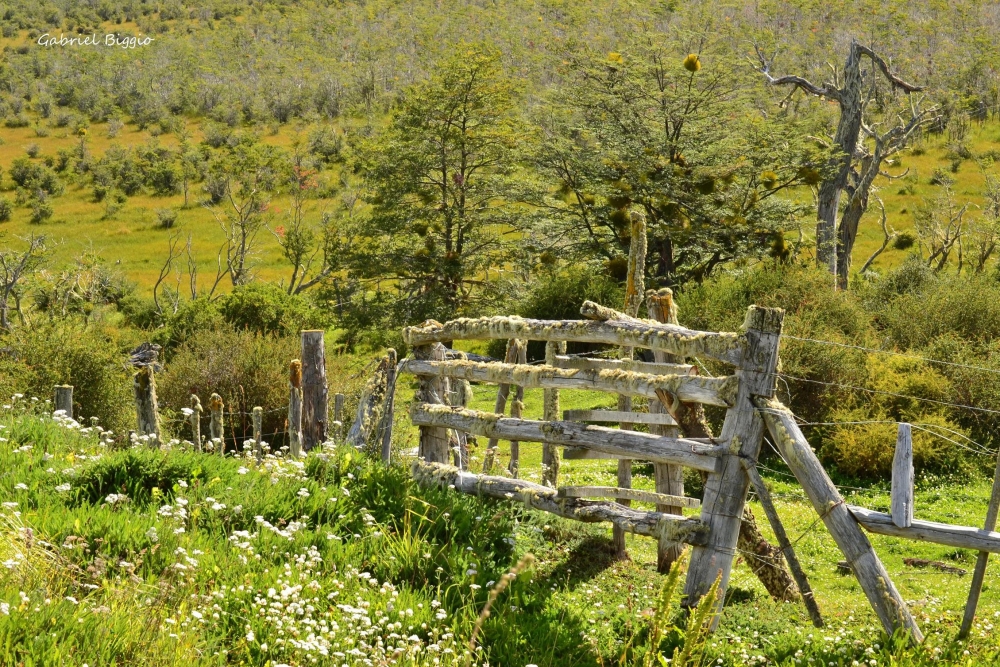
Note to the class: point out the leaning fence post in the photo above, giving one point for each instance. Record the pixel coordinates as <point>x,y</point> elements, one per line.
<point>314,390</point>
<point>216,425</point>
<point>390,399</point>
<point>433,439</point>
<point>982,559</point>
<point>295,408</point>
<point>901,498</point>
<point>726,491</point>
<point>144,386</point>
<point>258,446</point>
<point>64,399</point>
<point>844,528</point>
<point>516,411</point>
<point>195,418</point>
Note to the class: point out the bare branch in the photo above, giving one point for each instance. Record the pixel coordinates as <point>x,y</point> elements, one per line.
<point>797,81</point>
<point>889,74</point>
<point>887,234</point>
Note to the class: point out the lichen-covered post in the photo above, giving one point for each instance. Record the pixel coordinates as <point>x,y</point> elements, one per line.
<point>64,399</point>
<point>550,453</point>
<point>295,408</point>
<point>669,478</point>
<point>517,409</point>
<point>500,405</point>
<point>195,418</point>
<point>726,490</point>
<point>634,287</point>
<point>144,386</point>
<point>314,390</point>
<point>433,439</point>
<point>216,424</point>
<point>258,420</point>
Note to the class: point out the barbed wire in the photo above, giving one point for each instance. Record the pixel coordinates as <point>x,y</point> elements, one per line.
<point>904,355</point>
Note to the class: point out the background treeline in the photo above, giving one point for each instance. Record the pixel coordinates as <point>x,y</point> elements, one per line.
<point>364,166</point>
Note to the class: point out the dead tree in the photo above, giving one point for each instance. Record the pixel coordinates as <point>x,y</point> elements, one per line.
<point>861,148</point>
<point>14,266</point>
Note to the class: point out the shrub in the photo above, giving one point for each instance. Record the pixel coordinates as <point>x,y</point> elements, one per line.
<point>6,209</point>
<point>866,450</point>
<point>33,150</point>
<point>165,218</point>
<point>41,210</point>
<point>90,358</point>
<point>245,368</point>
<point>558,295</point>
<point>267,309</point>
<point>31,176</point>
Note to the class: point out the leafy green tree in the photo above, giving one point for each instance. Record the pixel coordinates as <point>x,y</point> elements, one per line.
<point>664,127</point>
<point>441,223</point>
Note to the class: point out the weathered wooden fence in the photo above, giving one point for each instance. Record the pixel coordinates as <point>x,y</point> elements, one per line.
<point>678,437</point>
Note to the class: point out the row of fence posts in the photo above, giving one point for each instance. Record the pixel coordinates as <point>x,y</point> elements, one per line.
<point>308,424</point>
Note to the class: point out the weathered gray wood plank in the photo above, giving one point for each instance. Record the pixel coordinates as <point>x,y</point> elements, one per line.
<point>624,444</point>
<point>902,478</point>
<point>719,391</point>
<point>651,367</point>
<point>628,494</point>
<point>616,416</point>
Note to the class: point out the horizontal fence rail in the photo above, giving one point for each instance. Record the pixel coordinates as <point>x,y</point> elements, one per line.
<point>625,444</point>
<point>651,524</point>
<point>963,537</point>
<point>727,347</point>
<point>688,388</point>
<point>654,367</point>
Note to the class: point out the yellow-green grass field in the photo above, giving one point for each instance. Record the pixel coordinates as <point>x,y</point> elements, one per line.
<point>132,239</point>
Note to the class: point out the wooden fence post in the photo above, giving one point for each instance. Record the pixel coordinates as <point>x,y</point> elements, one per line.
<point>195,418</point>
<point>982,559</point>
<point>216,425</point>
<point>314,390</point>
<point>726,490</point>
<point>338,417</point>
<point>295,408</point>
<point>634,291</point>
<point>365,429</point>
<point>901,498</point>
<point>387,410</point>
<point>500,405</point>
<point>144,386</point>
<point>550,453</point>
<point>64,399</point>
<point>828,503</point>
<point>433,439</point>
<point>669,478</point>
<point>516,410</point>
<point>258,438</point>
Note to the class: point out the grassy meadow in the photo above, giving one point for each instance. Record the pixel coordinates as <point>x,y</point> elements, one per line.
<point>131,556</point>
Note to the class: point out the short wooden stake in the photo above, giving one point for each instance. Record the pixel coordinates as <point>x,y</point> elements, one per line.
<point>314,390</point>
<point>550,409</point>
<point>195,418</point>
<point>982,559</point>
<point>295,408</point>
<point>433,439</point>
<point>258,442</point>
<point>844,528</point>
<point>902,478</point>
<point>144,386</point>
<point>64,399</point>
<point>764,496</point>
<point>216,424</point>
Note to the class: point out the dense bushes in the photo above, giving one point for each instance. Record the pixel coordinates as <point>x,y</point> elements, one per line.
<point>92,359</point>
<point>245,368</point>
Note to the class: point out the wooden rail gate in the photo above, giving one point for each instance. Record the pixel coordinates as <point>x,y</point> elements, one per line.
<point>675,392</point>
